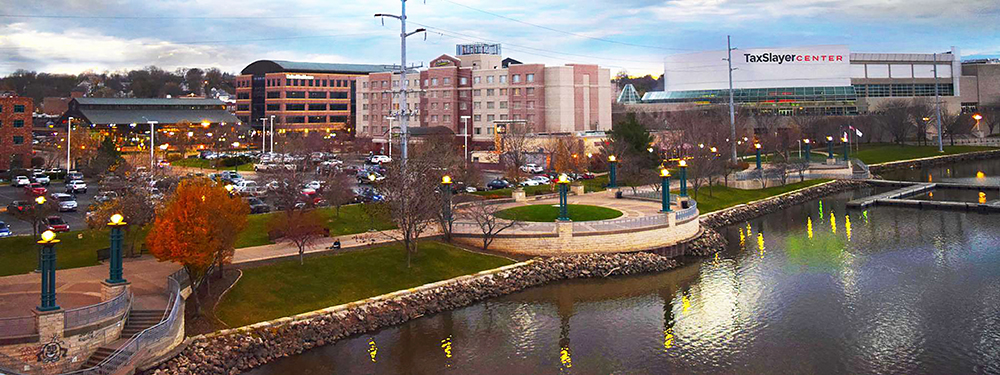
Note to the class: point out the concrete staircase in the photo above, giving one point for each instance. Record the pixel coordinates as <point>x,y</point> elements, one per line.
<point>138,320</point>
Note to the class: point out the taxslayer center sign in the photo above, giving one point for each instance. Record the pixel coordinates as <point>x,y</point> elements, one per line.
<point>809,66</point>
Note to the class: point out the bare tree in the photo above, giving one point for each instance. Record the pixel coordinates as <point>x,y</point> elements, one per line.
<point>956,123</point>
<point>991,116</point>
<point>337,191</point>
<point>411,201</point>
<point>894,116</point>
<point>301,227</point>
<point>135,203</point>
<point>514,150</point>
<point>484,215</point>
<point>921,113</point>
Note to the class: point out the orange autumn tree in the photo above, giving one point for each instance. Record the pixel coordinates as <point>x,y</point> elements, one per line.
<point>198,227</point>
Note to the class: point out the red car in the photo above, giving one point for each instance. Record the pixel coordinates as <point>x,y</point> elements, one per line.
<point>35,189</point>
<point>56,224</point>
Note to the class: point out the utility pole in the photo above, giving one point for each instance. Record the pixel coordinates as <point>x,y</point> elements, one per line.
<point>937,105</point>
<point>272,133</point>
<point>404,113</point>
<point>732,107</point>
<point>69,143</point>
<point>152,134</point>
<point>465,134</point>
<point>263,135</point>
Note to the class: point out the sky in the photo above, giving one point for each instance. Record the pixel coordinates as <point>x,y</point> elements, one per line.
<point>73,36</point>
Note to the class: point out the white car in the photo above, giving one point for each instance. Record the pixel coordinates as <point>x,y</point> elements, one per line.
<point>20,181</point>
<point>314,185</point>
<point>378,159</point>
<point>66,202</point>
<point>76,186</point>
<point>41,178</point>
<point>530,183</point>
<point>532,168</point>
<point>542,180</point>
<point>246,187</point>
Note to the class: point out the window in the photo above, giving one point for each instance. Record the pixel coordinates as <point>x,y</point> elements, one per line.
<point>395,83</point>
<point>463,81</point>
<point>295,94</point>
<point>477,80</point>
<point>317,107</point>
<point>434,118</point>
<point>364,107</point>
<point>18,123</point>
<point>491,118</point>
<point>295,107</point>
<point>434,82</point>
<point>529,91</point>
<point>503,92</point>
<point>425,82</point>
<point>477,105</point>
<point>489,131</point>
<point>243,95</point>
<point>530,104</point>
<point>462,106</point>
<point>416,82</point>
<point>529,77</point>
<point>515,78</point>
<point>447,106</point>
<point>479,131</point>
<point>364,84</point>
<point>517,92</point>
<point>477,92</point>
<point>447,81</point>
<point>463,94</point>
<point>489,79</point>
<point>274,94</point>
<point>274,107</point>
<point>447,118</point>
<point>338,94</point>
<point>317,95</point>
<point>503,79</point>
<point>517,105</point>
<point>489,105</point>
<point>477,118</point>
<point>434,106</point>
<point>503,117</point>
<point>324,83</point>
<point>531,118</point>
<point>447,94</point>
<point>243,107</point>
<point>311,81</point>
<point>18,139</point>
<point>295,119</point>
<point>503,105</point>
<point>490,92</point>
<point>338,106</point>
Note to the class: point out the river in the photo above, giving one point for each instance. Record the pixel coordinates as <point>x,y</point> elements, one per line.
<point>815,288</point>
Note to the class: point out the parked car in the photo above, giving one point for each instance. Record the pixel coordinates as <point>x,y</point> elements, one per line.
<point>379,159</point>
<point>246,187</point>
<point>105,196</point>
<point>231,177</point>
<point>542,180</point>
<point>498,184</point>
<point>18,206</point>
<point>41,178</point>
<point>66,202</point>
<point>76,186</point>
<point>5,230</point>
<point>529,183</point>
<point>532,168</point>
<point>74,175</point>
<point>20,181</point>
<point>314,185</point>
<point>35,189</point>
<point>257,206</point>
<point>365,195</point>
<point>56,224</point>
<point>587,176</point>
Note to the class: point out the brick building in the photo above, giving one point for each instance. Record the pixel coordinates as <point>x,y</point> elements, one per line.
<point>15,131</point>
<point>487,88</point>
<point>300,95</point>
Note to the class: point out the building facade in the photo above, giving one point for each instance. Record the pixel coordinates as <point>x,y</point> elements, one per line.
<point>15,131</point>
<point>469,93</point>
<point>820,80</point>
<point>300,96</point>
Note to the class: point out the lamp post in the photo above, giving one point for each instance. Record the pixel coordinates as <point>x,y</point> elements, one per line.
<point>757,146</point>
<point>40,201</point>
<point>613,173</point>
<point>563,187</point>
<point>846,149</point>
<point>808,150</point>
<point>684,183</point>
<point>977,117</point>
<point>152,141</point>
<point>829,146</point>
<point>263,135</point>
<point>446,190</point>
<point>272,133</point>
<point>48,252</point>
<point>665,189</point>
<point>117,223</point>
<point>69,137</point>
<point>465,135</point>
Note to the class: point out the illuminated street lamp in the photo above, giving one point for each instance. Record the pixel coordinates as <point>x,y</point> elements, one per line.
<point>846,148</point>
<point>117,223</point>
<point>665,189</point>
<point>977,117</point>
<point>563,187</point>
<point>684,184</point>
<point>757,146</point>
<point>829,146</point>
<point>613,173</point>
<point>808,150</point>
<point>446,190</point>
<point>48,271</point>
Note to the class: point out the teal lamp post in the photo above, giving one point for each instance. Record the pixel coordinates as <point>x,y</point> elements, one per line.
<point>665,189</point>
<point>684,182</point>
<point>808,150</point>
<point>756,147</point>
<point>115,268</point>
<point>829,147</point>
<point>613,173</point>
<point>847,149</point>
<point>48,243</point>
<point>563,187</point>
<point>446,190</point>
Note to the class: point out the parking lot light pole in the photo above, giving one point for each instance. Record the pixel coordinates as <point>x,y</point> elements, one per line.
<point>272,133</point>
<point>808,150</point>
<point>465,134</point>
<point>69,142</point>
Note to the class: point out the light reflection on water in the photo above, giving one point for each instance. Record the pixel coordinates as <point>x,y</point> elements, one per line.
<point>892,291</point>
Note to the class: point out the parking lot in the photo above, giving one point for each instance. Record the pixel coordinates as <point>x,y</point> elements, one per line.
<point>75,219</point>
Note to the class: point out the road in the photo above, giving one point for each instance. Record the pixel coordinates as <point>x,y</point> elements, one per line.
<point>75,219</point>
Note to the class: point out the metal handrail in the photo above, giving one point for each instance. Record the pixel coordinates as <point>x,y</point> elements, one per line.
<point>688,213</point>
<point>82,316</point>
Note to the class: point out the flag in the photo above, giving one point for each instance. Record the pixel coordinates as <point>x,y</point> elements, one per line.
<point>858,132</point>
<point>845,135</point>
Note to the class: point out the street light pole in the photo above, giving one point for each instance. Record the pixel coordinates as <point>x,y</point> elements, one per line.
<point>69,142</point>
<point>937,105</point>
<point>272,133</point>
<point>152,143</point>
<point>465,134</point>
<point>404,116</point>
<point>732,107</point>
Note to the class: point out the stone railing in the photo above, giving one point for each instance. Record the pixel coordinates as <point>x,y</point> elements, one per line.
<point>86,315</point>
<point>619,224</point>
<point>152,342</point>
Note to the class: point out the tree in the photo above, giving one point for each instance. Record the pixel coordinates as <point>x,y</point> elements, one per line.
<point>632,134</point>
<point>922,114</point>
<point>337,190</point>
<point>991,116</point>
<point>198,227</point>
<point>35,214</point>
<point>894,116</point>
<point>956,123</point>
<point>410,201</point>
<point>301,227</point>
<point>135,204</point>
<point>483,213</point>
<point>195,79</point>
<point>514,151</point>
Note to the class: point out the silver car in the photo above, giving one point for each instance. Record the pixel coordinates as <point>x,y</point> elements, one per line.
<point>66,202</point>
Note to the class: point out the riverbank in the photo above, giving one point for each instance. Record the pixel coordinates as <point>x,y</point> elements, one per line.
<point>242,349</point>
<point>768,205</point>
<point>933,160</point>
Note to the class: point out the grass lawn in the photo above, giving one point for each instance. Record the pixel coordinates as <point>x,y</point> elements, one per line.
<point>596,184</point>
<point>549,213</point>
<point>286,288</point>
<point>351,220</point>
<point>20,254</point>
<point>723,197</point>
<point>207,164</point>
<point>881,153</point>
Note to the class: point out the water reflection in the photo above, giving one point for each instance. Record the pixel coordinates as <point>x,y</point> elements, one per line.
<point>895,291</point>
<point>974,172</point>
